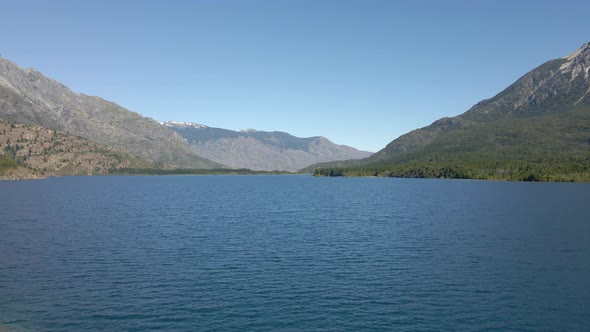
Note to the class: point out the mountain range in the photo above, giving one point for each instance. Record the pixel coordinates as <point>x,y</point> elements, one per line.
<point>538,128</point>
<point>28,97</point>
<point>261,150</point>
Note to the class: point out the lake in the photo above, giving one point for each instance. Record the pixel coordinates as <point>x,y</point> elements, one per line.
<point>293,253</point>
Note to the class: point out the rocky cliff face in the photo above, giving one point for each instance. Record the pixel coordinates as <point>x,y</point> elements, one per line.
<point>260,150</point>
<point>27,96</point>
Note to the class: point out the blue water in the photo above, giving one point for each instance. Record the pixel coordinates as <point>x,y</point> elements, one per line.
<point>293,253</point>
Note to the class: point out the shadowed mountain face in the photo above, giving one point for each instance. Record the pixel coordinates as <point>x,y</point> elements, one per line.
<point>545,115</point>
<point>26,96</point>
<point>261,150</point>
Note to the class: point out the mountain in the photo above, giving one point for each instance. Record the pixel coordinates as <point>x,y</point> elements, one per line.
<point>261,150</point>
<point>28,151</point>
<point>536,129</point>
<point>28,97</point>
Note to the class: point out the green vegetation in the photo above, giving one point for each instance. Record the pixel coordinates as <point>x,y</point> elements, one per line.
<point>553,147</point>
<point>573,170</point>
<point>6,164</point>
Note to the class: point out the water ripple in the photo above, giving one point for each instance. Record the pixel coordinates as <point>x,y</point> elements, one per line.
<point>292,253</point>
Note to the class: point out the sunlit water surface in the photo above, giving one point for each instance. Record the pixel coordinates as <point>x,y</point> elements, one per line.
<point>293,253</point>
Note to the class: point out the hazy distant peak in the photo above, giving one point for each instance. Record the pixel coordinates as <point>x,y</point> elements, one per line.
<point>263,150</point>
<point>180,124</point>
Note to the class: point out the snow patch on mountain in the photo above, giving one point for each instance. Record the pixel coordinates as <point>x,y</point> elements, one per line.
<point>181,124</point>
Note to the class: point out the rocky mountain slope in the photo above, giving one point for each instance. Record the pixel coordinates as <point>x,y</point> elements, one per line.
<point>28,151</point>
<point>537,127</point>
<point>261,150</point>
<point>26,96</point>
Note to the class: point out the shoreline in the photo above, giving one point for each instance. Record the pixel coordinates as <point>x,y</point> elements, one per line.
<point>3,177</point>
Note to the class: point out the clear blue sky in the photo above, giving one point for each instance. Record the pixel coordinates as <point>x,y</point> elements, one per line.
<point>358,72</point>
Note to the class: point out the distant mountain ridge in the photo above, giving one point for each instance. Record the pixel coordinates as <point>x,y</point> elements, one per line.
<point>28,97</point>
<point>537,127</point>
<point>261,150</point>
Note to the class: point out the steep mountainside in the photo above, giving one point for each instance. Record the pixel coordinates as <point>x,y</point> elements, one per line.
<point>28,151</point>
<point>537,127</point>
<point>261,150</point>
<point>26,96</point>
